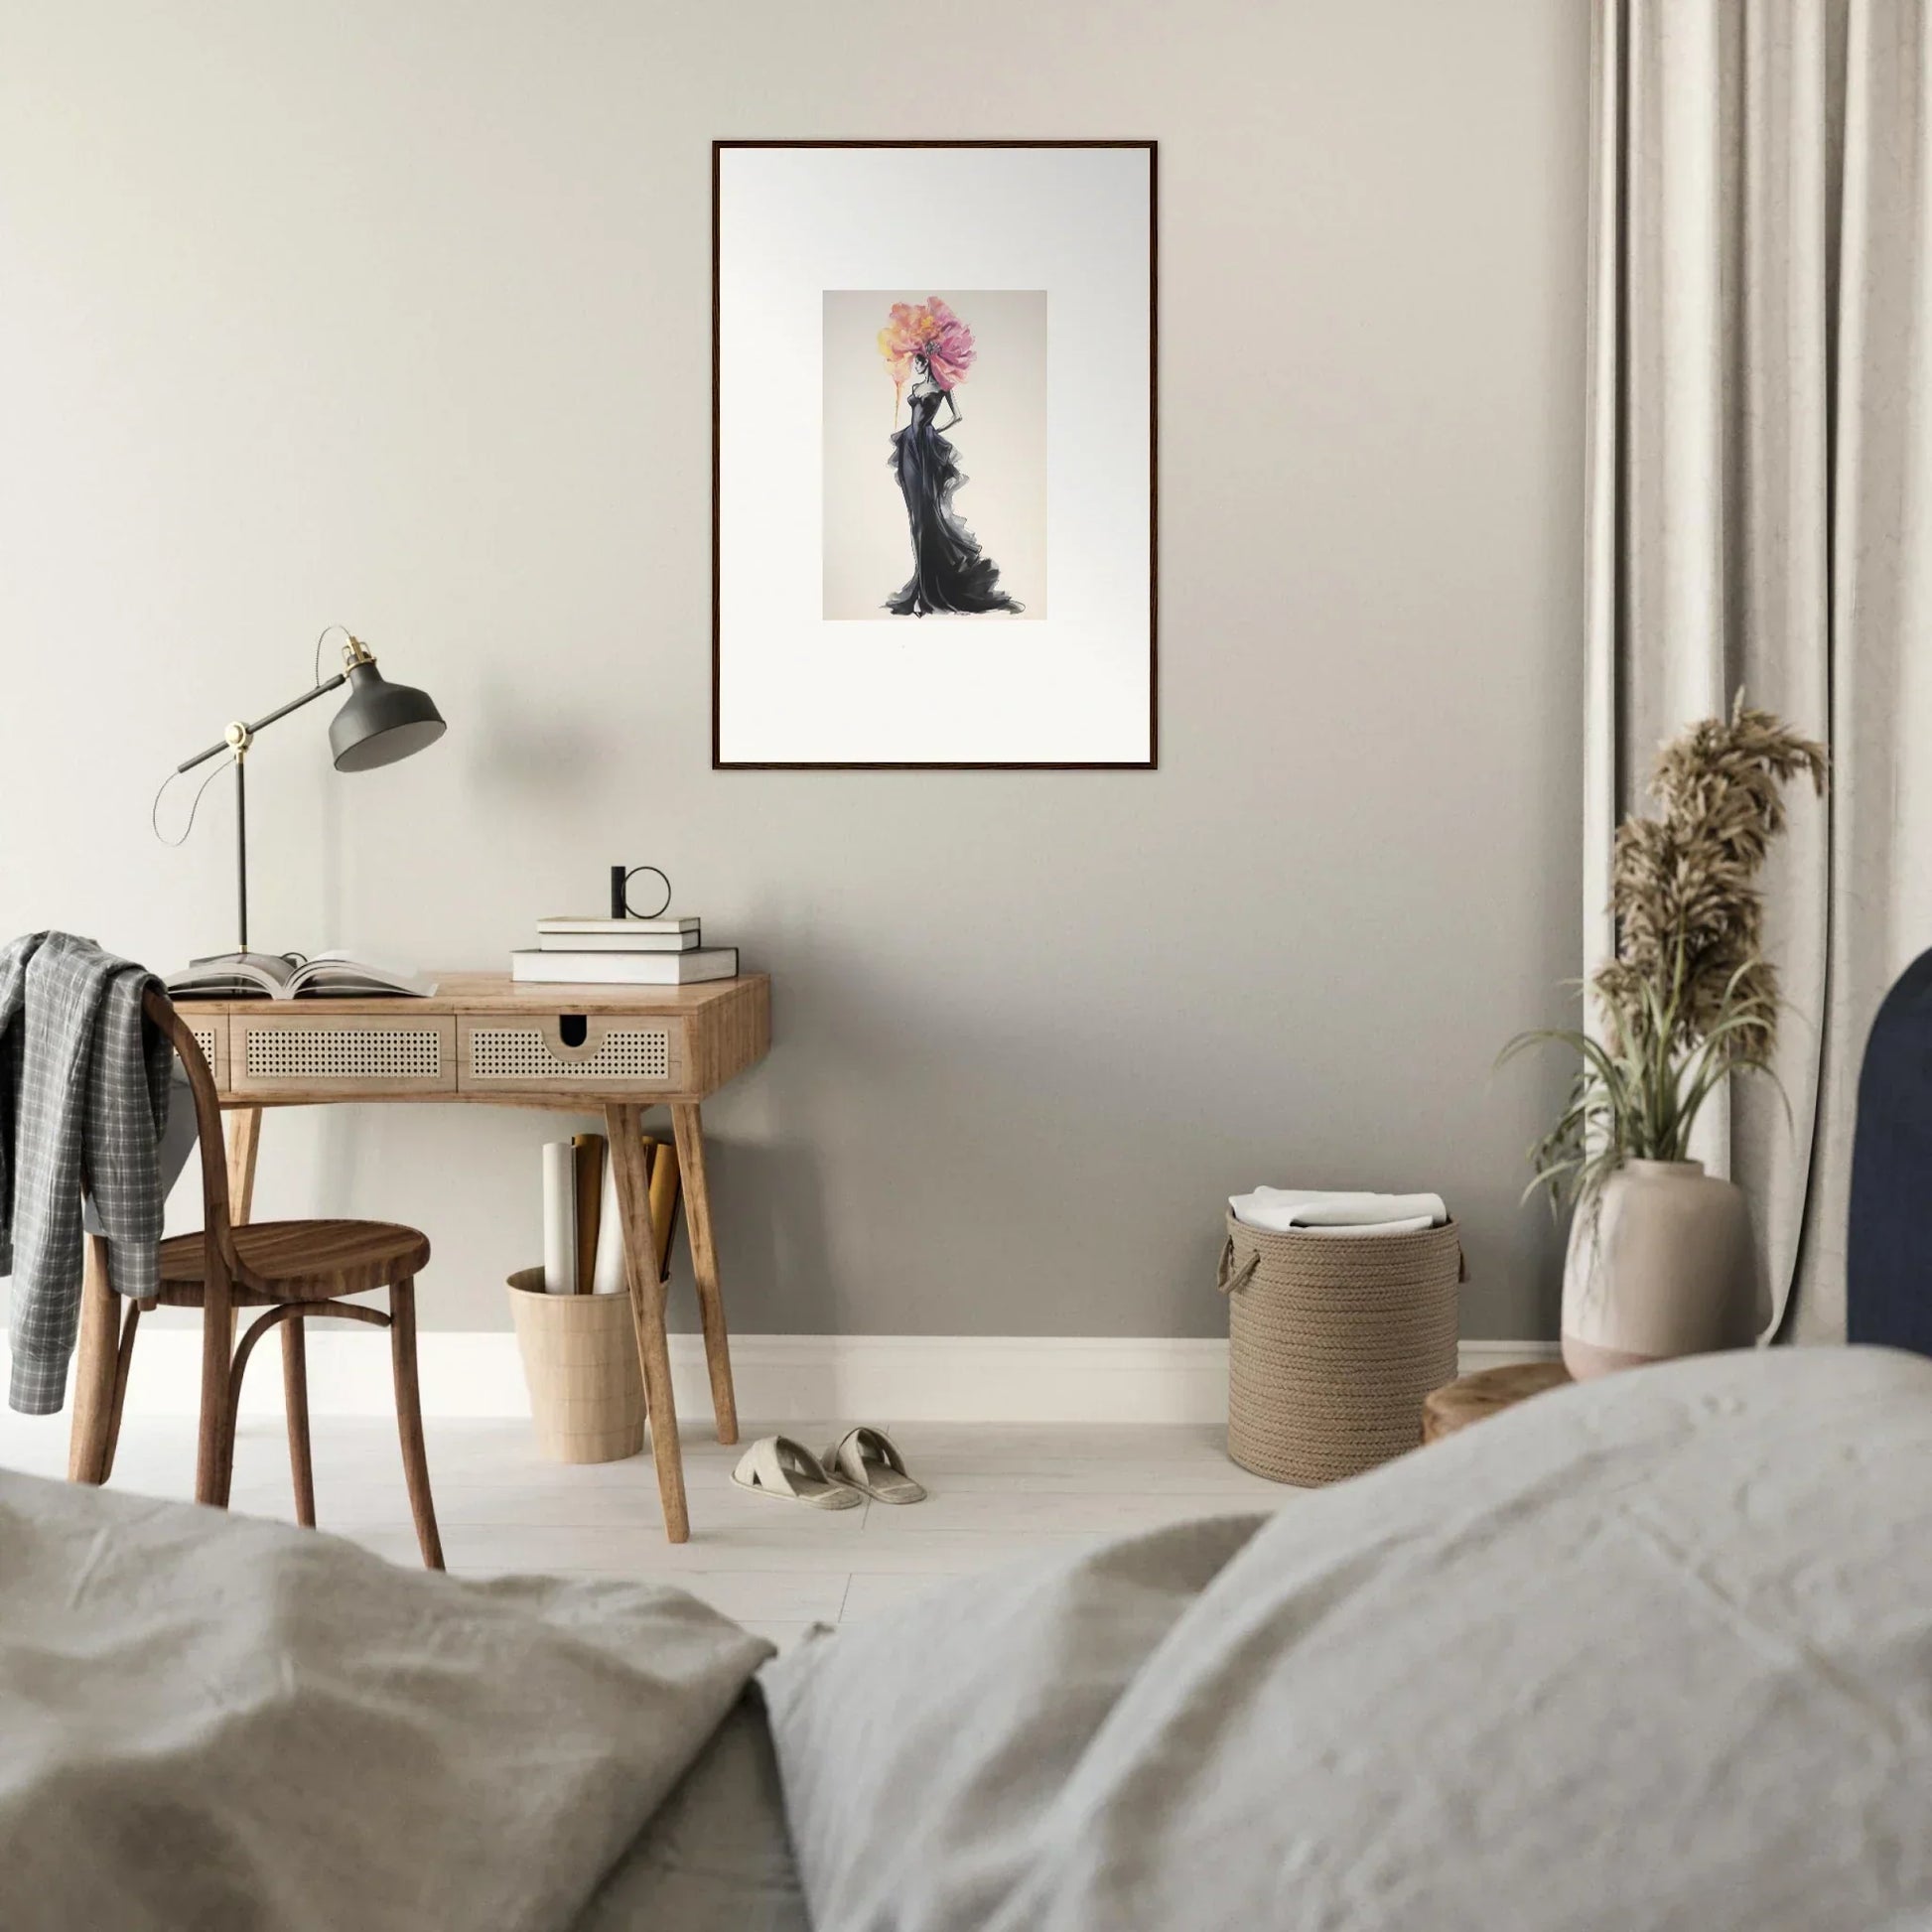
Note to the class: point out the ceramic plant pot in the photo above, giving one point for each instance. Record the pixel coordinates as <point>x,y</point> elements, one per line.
<point>1659,1263</point>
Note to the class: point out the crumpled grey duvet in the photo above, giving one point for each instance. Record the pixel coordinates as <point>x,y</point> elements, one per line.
<point>217,1723</point>
<point>1652,1653</point>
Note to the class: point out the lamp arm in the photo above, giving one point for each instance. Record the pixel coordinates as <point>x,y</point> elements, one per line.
<point>248,730</point>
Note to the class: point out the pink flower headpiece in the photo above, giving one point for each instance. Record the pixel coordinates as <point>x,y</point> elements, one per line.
<point>930,330</point>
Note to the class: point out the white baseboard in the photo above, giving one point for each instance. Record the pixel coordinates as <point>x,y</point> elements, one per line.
<point>1471,1356</point>
<point>778,1378</point>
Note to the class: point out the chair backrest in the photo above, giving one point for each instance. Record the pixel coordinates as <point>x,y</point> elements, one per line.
<point>218,1230</point>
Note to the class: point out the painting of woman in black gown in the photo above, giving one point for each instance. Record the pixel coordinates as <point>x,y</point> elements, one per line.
<point>929,351</point>
<point>935,498</point>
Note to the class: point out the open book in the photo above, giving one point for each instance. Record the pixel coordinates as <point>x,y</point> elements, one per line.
<point>289,976</point>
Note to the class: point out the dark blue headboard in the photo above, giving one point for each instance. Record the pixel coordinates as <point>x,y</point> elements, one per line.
<point>1888,1245</point>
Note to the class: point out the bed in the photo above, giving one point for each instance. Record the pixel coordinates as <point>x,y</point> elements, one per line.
<point>1655,1652</point>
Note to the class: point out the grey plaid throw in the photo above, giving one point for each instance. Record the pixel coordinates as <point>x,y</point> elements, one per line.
<point>84,1089</point>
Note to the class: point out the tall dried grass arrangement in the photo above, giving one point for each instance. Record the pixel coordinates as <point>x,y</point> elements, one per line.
<point>1690,997</point>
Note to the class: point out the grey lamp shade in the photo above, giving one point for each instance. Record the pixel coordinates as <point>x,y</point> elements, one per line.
<point>381,722</point>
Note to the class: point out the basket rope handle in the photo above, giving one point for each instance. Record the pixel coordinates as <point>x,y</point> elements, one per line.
<point>1229,1278</point>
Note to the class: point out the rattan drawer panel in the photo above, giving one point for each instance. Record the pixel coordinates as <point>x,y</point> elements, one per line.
<point>311,1051</point>
<point>509,1052</point>
<point>211,1031</point>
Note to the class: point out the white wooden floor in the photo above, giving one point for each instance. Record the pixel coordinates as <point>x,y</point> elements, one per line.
<point>996,1493</point>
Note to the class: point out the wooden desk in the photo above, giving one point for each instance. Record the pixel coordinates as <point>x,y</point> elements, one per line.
<point>483,1041</point>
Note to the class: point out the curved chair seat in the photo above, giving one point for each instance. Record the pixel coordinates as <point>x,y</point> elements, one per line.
<point>303,1261</point>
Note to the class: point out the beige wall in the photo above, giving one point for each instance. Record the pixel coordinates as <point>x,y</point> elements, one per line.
<point>399,315</point>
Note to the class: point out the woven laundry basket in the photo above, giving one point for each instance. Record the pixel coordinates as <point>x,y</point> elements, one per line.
<point>1333,1340</point>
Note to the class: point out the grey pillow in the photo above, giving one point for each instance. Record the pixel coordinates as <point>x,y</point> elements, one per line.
<point>918,1750</point>
<point>1653,1651</point>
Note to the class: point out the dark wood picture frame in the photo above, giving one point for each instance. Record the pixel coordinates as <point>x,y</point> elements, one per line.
<point>1153,759</point>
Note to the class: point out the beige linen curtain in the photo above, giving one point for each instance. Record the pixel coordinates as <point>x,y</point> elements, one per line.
<point>1759,512</point>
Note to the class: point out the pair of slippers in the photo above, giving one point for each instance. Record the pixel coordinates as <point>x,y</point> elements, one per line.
<point>862,1463</point>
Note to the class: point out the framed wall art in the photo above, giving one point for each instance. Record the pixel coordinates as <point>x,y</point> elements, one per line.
<point>933,485</point>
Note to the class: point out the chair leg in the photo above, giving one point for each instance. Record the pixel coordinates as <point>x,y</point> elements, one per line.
<point>94,1367</point>
<point>409,1417</point>
<point>295,1398</point>
<point>215,1447</point>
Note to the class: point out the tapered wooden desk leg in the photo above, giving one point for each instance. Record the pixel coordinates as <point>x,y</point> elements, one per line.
<point>625,1125</point>
<point>244,1125</point>
<point>244,1143</point>
<point>689,1129</point>
<point>93,1371</point>
<point>123,1366</point>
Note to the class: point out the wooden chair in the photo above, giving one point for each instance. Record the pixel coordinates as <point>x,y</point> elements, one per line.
<point>291,1270</point>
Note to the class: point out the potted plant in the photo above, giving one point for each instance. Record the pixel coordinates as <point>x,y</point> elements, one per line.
<point>1659,1258</point>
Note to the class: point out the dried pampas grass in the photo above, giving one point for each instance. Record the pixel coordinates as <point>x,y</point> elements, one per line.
<point>1690,997</point>
<point>1689,915</point>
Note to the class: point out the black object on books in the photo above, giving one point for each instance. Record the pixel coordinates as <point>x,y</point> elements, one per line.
<point>536,966</point>
<point>621,877</point>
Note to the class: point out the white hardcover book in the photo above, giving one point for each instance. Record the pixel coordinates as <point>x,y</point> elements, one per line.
<point>559,922</point>
<point>533,967</point>
<point>559,1219</point>
<point>608,1278</point>
<point>619,941</point>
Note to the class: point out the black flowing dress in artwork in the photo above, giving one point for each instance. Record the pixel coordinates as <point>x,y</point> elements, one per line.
<point>948,572</point>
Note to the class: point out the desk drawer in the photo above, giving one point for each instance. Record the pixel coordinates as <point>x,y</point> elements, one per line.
<point>511,1051</point>
<point>316,1052</point>
<point>211,1031</point>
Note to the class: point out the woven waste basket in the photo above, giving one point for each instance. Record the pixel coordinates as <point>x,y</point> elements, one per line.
<point>580,1360</point>
<point>1333,1340</point>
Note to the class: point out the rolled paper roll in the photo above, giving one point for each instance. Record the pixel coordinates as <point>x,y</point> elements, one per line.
<point>559,1219</point>
<point>665,1182</point>
<point>588,1191</point>
<point>608,1277</point>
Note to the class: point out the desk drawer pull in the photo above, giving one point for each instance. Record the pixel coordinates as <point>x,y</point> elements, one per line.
<point>615,1052</point>
<point>340,1052</point>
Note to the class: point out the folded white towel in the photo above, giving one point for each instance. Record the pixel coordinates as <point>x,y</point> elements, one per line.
<point>1316,1210</point>
<point>1413,1225</point>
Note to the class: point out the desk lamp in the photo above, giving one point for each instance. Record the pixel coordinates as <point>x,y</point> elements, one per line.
<point>378,723</point>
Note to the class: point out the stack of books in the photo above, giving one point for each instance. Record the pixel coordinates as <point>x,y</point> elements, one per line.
<point>622,952</point>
